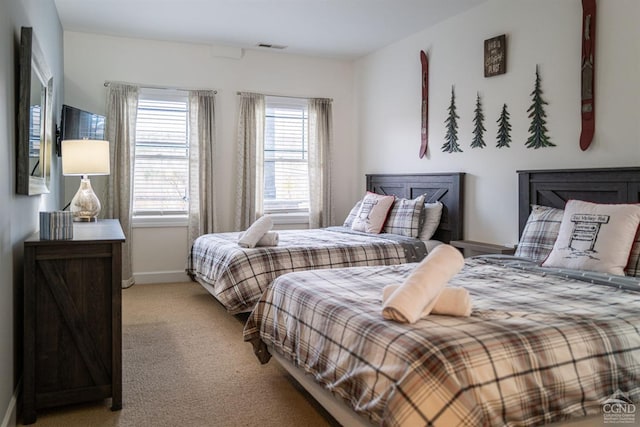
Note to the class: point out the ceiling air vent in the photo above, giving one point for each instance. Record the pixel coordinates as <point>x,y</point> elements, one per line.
<point>271,46</point>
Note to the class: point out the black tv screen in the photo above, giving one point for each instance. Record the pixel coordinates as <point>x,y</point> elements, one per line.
<point>80,124</point>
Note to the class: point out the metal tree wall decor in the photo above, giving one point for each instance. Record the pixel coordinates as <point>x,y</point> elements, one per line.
<point>478,126</point>
<point>504,128</point>
<point>451,138</point>
<point>538,128</point>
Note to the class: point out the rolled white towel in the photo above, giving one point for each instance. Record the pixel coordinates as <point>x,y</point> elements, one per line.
<point>418,293</point>
<point>271,238</point>
<point>450,301</point>
<point>255,232</point>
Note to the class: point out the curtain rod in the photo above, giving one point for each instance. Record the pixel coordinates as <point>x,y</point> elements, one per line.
<point>283,96</point>
<point>145,86</point>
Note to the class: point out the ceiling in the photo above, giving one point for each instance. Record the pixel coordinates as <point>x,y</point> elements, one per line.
<point>332,28</point>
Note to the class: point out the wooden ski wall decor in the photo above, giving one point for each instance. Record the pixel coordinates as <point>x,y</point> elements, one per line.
<point>424,132</point>
<point>587,73</point>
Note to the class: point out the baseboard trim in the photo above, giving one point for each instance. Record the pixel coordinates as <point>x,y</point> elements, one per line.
<point>161,277</point>
<point>11,415</point>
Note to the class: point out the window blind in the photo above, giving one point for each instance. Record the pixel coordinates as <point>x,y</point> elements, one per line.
<point>286,170</point>
<point>161,170</point>
<point>35,132</point>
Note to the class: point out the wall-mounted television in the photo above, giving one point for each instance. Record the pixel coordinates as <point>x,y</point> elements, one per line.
<point>78,124</point>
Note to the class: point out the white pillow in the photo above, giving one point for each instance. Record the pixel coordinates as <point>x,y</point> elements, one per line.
<point>596,237</point>
<point>373,213</point>
<point>432,214</point>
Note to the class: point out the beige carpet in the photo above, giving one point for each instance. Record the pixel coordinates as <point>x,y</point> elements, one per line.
<point>185,364</point>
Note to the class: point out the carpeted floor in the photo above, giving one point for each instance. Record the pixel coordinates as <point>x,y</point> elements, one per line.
<point>185,364</point>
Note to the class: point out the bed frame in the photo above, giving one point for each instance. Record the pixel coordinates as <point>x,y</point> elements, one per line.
<point>554,187</point>
<point>447,188</point>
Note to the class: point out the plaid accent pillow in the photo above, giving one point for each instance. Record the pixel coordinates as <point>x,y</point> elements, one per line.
<point>348,222</point>
<point>633,265</point>
<point>540,233</point>
<point>404,217</point>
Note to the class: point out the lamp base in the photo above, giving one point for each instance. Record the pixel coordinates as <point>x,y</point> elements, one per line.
<point>85,218</point>
<point>85,205</point>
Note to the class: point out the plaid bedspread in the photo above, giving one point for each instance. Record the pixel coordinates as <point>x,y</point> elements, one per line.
<point>237,277</point>
<point>538,348</point>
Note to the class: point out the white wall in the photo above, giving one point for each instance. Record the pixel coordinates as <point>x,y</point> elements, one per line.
<point>377,105</point>
<point>91,59</point>
<point>19,214</point>
<point>543,32</point>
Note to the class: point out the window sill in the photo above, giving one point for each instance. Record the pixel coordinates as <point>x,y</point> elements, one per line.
<point>159,221</point>
<point>289,218</point>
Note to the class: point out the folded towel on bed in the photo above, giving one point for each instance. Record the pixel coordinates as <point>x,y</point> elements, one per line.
<point>255,232</point>
<point>271,238</point>
<point>418,294</point>
<point>450,301</point>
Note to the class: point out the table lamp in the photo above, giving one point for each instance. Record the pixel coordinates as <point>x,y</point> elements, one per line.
<point>85,157</point>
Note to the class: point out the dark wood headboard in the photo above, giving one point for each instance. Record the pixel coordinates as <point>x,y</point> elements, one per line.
<point>447,188</point>
<point>554,187</point>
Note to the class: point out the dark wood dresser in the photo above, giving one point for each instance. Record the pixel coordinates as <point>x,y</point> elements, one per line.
<point>72,318</point>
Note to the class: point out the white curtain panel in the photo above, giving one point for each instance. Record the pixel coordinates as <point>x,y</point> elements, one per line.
<point>122,106</point>
<point>202,131</point>
<point>250,178</point>
<point>320,141</point>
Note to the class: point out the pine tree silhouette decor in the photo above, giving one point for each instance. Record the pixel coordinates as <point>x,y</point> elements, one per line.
<point>478,126</point>
<point>538,129</point>
<point>451,138</point>
<point>504,128</point>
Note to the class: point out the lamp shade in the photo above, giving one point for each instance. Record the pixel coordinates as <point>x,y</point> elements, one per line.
<point>85,157</point>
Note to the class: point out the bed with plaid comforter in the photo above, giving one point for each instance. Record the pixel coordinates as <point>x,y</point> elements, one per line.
<point>540,346</point>
<point>237,276</point>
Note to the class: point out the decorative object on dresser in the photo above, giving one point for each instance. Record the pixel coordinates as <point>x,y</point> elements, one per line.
<point>85,157</point>
<point>56,225</point>
<point>72,318</point>
<point>473,248</point>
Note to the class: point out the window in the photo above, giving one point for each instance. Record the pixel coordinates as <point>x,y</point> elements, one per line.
<point>286,176</point>
<point>35,133</point>
<point>161,169</point>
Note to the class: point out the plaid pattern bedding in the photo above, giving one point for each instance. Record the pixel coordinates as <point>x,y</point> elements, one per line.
<point>539,233</point>
<point>538,348</point>
<point>404,217</point>
<point>237,276</point>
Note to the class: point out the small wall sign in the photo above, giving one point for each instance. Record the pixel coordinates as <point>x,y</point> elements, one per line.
<point>495,56</point>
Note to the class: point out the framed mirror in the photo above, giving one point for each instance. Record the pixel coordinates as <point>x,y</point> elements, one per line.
<point>35,118</point>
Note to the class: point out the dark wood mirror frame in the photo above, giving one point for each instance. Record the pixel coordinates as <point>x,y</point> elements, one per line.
<point>33,167</point>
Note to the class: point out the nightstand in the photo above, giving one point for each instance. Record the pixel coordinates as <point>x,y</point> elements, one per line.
<point>471,248</point>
